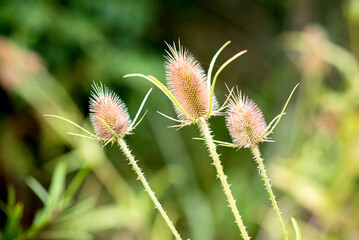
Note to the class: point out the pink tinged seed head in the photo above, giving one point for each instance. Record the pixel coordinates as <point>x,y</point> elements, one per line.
<point>106,105</point>
<point>245,121</point>
<point>187,81</point>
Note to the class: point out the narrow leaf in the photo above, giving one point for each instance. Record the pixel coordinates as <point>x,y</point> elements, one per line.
<point>84,136</point>
<point>170,118</point>
<point>156,82</point>
<point>76,210</point>
<point>282,113</point>
<point>135,125</point>
<point>37,188</point>
<point>225,102</point>
<point>269,127</point>
<point>57,186</point>
<point>69,121</point>
<point>298,235</point>
<point>210,69</point>
<point>164,89</point>
<point>220,143</point>
<point>216,75</point>
<point>76,183</point>
<point>140,108</point>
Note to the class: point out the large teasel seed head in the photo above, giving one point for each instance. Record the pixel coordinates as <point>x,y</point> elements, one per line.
<point>245,121</point>
<point>106,105</point>
<point>187,81</point>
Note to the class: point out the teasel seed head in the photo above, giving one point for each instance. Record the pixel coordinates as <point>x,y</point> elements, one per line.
<point>107,106</point>
<point>186,80</point>
<point>245,121</point>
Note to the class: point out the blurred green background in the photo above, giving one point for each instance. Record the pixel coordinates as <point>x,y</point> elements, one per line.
<point>51,51</point>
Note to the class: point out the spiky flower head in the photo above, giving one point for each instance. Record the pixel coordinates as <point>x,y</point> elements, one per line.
<point>107,107</point>
<point>187,81</point>
<point>245,121</point>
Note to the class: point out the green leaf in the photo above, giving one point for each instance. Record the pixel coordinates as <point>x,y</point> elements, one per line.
<point>83,136</point>
<point>213,61</point>
<point>133,127</point>
<point>298,235</point>
<point>76,210</point>
<point>216,75</point>
<point>76,183</point>
<point>170,118</point>
<point>224,105</point>
<point>75,124</point>
<point>220,143</point>
<point>37,188</point>
<point>267,132</point>
<point>140,108</point>
<point>54,197</point>
<point>57,186</point>
<point>164,89</point>
<point>14,212</point>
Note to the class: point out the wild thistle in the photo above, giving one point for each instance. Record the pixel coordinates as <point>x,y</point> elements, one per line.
<point>247,127</point>
<point>112,123</point>
<point>105,106</point>
<point>187,81</point>
<point>192,94</point>
<point>245,121</point>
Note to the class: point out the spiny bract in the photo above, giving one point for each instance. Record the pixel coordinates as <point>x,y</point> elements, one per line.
<point>245,121</point>
<point>107,106</point>
<point>187,81</point>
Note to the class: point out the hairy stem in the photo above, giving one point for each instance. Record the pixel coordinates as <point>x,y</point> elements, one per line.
<point>127,152</point>
<point>206,132</point>
<point>257,156</point>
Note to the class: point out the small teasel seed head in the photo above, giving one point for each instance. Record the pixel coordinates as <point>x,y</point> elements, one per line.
<point>106,105</point>
<point>186,79</point>
<point>245,121</point>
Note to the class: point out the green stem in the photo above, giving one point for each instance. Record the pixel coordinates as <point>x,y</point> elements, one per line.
<point>127,152</point>
<point>257,155</point>
<point>206,132</point>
